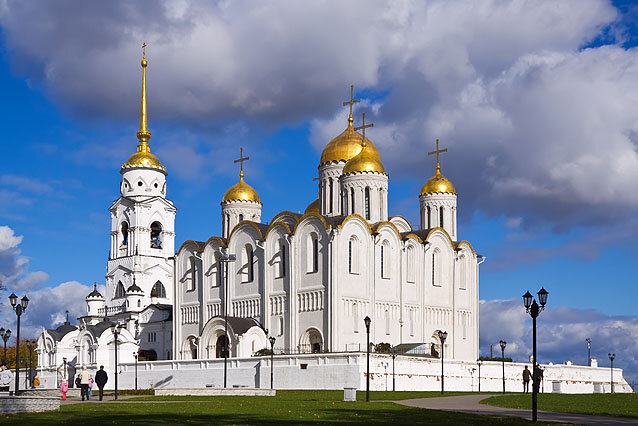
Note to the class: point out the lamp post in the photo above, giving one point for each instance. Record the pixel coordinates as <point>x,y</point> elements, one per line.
<point>503,343</point>
<point>226,258</point>
<point>442,337</point>
<point>588,340</point>
<point>394,355</point>
<point>116,335</point>
<point>534,309</point>
<point>64,371</point>
<point>5,336</point>
<point>367,321</point>
<point>479,362</point>
<point>272,358</point>
<point>135,354</point>
<point>31,345</point>
<point>611,358</point>
<point>19,308</point>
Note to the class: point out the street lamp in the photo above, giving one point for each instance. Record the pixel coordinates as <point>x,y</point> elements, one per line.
<point>31,344</point>
<point>384,364</point>
<point>367,321</point>
<point>19,309</point>
<point>64,371</point>
<point>394,355</point>
<point>479,362</point>
<point>588,340</point>
<point>611,358</point>
<point>272,358</point>
<point>135,354</point>
<point>442,337</point>
<point>5,336</point>
<point>503,343</point>
<point>226,258</point>
<point>533,309</point>
<point>116,335</point>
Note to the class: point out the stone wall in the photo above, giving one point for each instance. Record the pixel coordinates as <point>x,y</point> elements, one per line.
<point>341,370</point>
<point>28,404</point>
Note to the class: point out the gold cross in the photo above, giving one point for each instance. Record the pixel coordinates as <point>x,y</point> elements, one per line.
<point>363,128</point>
<point>351,102</point>
<point>437,152</point>
<point>144,50</point>
<point>241,160</point>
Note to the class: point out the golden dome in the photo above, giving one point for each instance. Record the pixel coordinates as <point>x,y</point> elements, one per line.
<point>367,161</point>
<point>438,184</point>
<point>344,147</point>
<point>143,159</point>
<point>241,191</point>
<point>313,207</point>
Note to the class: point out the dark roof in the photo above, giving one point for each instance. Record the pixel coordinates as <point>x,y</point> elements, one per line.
<point>134,287</point>
<point>99,328</point>
<point>242,325</point>
<point>94,293</point>
<point>262,227</point>
<point>61,331</point>
<point>421,233</point>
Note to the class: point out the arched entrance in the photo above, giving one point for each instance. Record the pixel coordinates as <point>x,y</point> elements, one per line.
<point>221,348</point>
<point>311,341</point>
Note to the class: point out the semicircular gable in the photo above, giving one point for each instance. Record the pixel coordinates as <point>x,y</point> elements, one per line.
<point>390,226</point>
<point>196,246</point>
<point>401,223</point>
<point>466,243</point>
<point>258,235</point>
<point>309,217</point>
<point>358,218</point>
<point>214,240</point>
<point>273,225</point>
<point>443,233</point>
<point>287,217</point>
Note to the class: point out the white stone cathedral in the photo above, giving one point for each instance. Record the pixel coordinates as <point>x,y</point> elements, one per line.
<point>306,279</point>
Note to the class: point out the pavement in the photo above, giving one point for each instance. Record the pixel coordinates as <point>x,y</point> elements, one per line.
<point>471,404</point>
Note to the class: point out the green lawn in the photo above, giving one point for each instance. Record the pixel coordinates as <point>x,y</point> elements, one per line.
<point>288,407</point>
<point>618,404</point>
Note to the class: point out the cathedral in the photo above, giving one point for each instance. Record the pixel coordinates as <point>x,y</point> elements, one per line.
<point>307,280</point>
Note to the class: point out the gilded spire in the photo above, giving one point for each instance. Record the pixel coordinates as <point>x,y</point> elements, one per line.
<point>143,135</point>
<point>438,184</point>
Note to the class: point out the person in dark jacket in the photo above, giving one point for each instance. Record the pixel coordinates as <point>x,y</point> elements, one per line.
<point>100,380</point>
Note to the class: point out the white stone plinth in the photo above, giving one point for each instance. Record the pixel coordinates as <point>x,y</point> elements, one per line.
<point>217,392</point>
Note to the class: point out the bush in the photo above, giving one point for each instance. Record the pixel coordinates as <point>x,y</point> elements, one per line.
<point>496,358</point>
<point>263,352</point>
<point>382,347</point>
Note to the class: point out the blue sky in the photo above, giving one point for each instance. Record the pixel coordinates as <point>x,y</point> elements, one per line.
<point>533,101</point>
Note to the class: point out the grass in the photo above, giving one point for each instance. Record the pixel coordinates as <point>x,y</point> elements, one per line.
<point>288,407</point>
<point>618,404</point>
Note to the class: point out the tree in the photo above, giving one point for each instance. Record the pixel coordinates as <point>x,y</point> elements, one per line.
<point>24,356</point>
<point>382,347</point>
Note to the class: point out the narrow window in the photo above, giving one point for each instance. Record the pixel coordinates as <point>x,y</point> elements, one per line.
<point>367,202</point>
<point>436,268</point>
<point>315,254</point>
<point>411,322</point>
<point>410,264</point>
<point>433,267</point>
<point>382,262</point>
<point>241,217</point>
<point>119,290</point>
<point>429,219</point>
<point>352,200</point>
<point>381,204</point>
<point>282,263</point>
<point>193,273</point>
<point>330,196</point>
<point>281,326</point>
<point>158,290</point>
<point>250,266</point>
<point>462,273</point>
<point>387,322</point>
<point>355,315</point>
<point>156,232</point>
<point>441,217</point>
<point>124,233</point>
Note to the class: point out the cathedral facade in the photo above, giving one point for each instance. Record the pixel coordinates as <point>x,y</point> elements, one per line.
<point>308,280</point>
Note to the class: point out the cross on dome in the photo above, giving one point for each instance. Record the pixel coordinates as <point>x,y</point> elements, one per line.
<point>351,102</point>
<point>437,152</point>
<point>363,128</point>
<point>241,160</point>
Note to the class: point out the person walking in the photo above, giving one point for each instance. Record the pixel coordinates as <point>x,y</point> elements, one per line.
<point>36,381</point>
<point>6,378</point>
<point>64,388</point>
<point>78,381</point>
<point>527,375</point>
<point>100,380</point>
<point>84,383</point>
<point>90,386</point>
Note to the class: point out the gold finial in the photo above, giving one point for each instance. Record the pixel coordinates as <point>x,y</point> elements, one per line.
<point>241,160</point>
<point>363,128</point>
<point>437,152</point>
<point>143,135</point>
<point>351,102</point>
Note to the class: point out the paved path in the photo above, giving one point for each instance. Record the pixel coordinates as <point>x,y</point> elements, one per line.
<point>470,404</point>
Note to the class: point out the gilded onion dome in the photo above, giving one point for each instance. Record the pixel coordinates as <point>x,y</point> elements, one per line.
<point>345,146</point>
<point>143,156</point>
<point>241,191</point>
<point>368,159</point>
<point>313,207</point>
<point>438,184</point>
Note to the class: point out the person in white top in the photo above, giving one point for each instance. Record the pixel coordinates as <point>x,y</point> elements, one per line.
<point>85,376</point>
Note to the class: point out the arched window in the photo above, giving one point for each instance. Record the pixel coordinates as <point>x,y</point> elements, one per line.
<point>282,259</point>
<point>312,253</point>
<point>124,229</point>
<point>380,203</point>
<point>436,268</point>
<point>352,200</point>
<point>353,255</point>
<point>355,317</point>
<point>193,274</point>
<point>156,235</point>
<point>367,203</point>
<point>158,290</point>
<point>385,259</point>
<point>410,264</point>
<point>139,303</point>
<point>248,272</point>
<point>387,322</point>
<point>241,217</point>
<point>281,326</point>
<point>120,291</point>
<point>428,212</point>
<point>441,217</point>
<point>462,273</point>
<point>330,196</point>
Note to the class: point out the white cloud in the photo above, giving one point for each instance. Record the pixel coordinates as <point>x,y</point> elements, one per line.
<point>14,267</point>
<point>561,334</point>
<point>537,127</point>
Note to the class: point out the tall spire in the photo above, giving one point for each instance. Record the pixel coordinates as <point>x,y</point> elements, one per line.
<point>143,135</point>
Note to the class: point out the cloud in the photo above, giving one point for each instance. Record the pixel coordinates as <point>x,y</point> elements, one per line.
<point>538,128</point>
<point>25,183</point>
<point>14,267</point>
<point>561,334</point>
